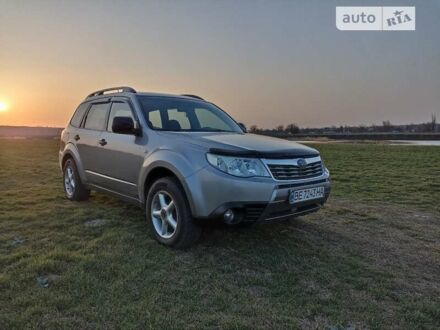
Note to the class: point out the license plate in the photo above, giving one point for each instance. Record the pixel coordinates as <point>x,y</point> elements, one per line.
<point>302,195</point>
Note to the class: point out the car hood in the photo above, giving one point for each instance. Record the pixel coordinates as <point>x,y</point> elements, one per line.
<point>250,145</point>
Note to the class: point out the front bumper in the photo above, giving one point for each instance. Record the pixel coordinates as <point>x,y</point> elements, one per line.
<point>252,199</point>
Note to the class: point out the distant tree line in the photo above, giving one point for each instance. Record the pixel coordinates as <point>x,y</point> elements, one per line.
<point>386,127</point>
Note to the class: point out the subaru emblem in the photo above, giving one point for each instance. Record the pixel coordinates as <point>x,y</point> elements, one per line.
<point>301,162</point>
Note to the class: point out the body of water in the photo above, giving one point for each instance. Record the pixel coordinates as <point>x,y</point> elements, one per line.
<point>415,142</point>
<point>389,142</point>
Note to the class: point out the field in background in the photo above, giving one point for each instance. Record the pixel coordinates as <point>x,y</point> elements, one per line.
<point>29,132</point>
<point>369,259</point>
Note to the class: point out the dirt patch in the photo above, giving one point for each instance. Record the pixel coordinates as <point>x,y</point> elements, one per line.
<point>96,223</point>
<point>257,291</point>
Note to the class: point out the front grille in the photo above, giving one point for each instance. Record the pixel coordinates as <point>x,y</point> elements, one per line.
<point>294,172</point>
<point>253,212</point>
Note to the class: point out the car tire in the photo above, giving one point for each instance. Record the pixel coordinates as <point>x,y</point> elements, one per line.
<point>169,216</point>
<point>73,186</point>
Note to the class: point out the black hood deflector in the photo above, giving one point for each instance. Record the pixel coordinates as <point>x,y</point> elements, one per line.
<point>276,154</point>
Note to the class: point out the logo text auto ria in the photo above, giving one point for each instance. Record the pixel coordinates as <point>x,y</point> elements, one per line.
<point>376,18</point>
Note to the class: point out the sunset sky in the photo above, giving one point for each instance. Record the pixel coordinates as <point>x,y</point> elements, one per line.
<point>265,62</point>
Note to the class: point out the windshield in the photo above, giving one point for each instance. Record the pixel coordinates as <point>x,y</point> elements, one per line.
<point>178,114</point>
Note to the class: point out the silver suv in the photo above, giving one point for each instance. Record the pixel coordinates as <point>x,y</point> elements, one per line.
<point>184,160</point>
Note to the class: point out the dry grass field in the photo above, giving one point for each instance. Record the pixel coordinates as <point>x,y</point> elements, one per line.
<point>369,259</point>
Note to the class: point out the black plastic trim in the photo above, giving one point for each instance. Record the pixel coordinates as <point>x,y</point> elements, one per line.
<point>276,154</point>
<point>308,183</point>
<point>193,96</point>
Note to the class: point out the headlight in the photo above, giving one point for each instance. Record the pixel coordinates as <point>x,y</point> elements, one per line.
<point>244,167</point>
<point>326,171</point>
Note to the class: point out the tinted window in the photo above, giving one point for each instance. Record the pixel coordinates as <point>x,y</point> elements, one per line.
<point>180,119</point>
<point>119,109</point>
<point>96,117</point>
<point>209,119</point>
<point>180,114</point>
<point>79,114</point>
<point>154,119</point>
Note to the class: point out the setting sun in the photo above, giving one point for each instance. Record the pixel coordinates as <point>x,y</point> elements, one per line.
<point>3,106</point>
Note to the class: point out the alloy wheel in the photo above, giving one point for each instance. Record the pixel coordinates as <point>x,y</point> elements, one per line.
<point>164,214</point>
<point>69,181</point>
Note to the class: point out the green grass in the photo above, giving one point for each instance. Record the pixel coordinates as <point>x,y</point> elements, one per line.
<point>369,259</point>
<point>407,175</point>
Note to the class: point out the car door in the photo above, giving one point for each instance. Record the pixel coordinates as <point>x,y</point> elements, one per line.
<point>87,139</point>
<point>122,155</point>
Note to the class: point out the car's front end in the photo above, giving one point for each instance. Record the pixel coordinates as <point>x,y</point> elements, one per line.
<point>250,186</point>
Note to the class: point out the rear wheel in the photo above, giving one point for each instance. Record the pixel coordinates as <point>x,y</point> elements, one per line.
<point>73,187</point>
<point>169,216</point>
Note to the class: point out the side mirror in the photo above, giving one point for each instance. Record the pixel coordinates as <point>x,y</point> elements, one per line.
<point>243,127</point>
<point>125,125</point>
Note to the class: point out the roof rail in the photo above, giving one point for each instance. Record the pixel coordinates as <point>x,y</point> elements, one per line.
<point>193,96</point>
<point>112,90</point>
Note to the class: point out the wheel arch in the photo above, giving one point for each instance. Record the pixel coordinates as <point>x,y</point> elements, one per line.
<point>71,152</point>
<point>66,156</point>
<point>159,170</point>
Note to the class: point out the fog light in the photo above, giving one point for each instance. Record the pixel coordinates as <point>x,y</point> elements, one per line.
<point>229,216</point>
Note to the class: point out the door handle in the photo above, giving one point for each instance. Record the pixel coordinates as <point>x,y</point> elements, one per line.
<point>102,142</point>
<point>76,137</point>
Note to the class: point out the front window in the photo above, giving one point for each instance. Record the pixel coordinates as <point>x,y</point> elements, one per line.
<point>175,114</point>
<point>119,109</point>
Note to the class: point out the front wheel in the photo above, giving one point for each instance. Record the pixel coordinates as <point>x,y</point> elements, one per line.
<point>73,187</point>
<point>169,216</point>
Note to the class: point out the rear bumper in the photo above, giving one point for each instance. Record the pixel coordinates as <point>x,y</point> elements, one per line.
<point>255,199</point>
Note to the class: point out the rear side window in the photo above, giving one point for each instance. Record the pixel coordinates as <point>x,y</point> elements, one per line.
<point>78,115</point>
<point>96,117</point>
<point>119,109</point>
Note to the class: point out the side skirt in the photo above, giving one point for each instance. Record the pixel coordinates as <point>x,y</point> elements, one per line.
<point>125,198</point>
